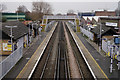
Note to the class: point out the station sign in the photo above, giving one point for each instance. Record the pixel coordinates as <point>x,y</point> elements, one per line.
<point>7,47</point>
<point>117,40</point>
<point>111,24</point>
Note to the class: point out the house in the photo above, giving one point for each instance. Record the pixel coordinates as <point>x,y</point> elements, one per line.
<point>105,31</point>
<point>20,36</point>
<point>105,13</point>
<point>112,21</point>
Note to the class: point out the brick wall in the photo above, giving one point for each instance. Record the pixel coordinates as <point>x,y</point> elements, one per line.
<point>105,13</point>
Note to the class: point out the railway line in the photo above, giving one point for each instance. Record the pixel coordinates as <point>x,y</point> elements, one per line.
<point>62,58</point>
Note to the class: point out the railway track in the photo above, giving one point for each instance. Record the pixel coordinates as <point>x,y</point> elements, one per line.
<point>55,63</point>
<point>61,66</point>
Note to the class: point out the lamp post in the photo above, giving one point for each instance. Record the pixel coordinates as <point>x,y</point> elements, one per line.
<point>29,35</point>
<point>11,34</point>
<point>100,37</point>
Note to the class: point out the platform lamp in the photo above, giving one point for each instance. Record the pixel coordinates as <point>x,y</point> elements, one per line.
<point>100,36</point>
<point>11,34</point>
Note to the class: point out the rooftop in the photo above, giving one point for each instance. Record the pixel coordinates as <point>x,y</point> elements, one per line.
<point>18,32</point>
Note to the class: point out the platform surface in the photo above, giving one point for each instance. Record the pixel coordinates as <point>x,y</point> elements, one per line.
<point>32,61</point>
<point>99,73</point>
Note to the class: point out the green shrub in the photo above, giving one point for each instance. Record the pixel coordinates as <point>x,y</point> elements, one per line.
<point>4,19</point>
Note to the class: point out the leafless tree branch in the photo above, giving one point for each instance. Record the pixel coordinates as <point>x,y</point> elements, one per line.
<point>2,7</point>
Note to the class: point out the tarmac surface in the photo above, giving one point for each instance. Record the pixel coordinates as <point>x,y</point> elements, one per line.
<point>102,60</point>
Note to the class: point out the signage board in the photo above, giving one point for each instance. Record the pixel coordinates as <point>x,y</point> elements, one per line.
<point>7,47</point>
<point>117,40</point>
<point>111,24</point>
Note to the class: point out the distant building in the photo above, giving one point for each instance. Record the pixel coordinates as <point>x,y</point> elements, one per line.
<point>113,22</point>
<point>13,16</point>
<point>86,14</point>
<point>105,31</point>
<point>105,13</point>
<point>71,14</point>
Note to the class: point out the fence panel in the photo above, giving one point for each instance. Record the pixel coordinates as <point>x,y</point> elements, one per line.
<point>104,46</point>
<point>10,61</point>
<point>87,33</point>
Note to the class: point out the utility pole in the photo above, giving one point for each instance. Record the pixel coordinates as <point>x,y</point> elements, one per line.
<point>29,35</point>
<point>111,64</point>
<point>100,37</point>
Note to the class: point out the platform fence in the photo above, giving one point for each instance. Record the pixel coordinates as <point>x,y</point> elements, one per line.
<point>7,64</point>
<point>87,33</point>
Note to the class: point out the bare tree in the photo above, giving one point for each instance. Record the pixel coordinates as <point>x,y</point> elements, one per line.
<point>70,11</point>
<point>47,9</point>
<point>41,8</point>
<point>22,9</point>
<point>2,7</point>
<point>38,7</point>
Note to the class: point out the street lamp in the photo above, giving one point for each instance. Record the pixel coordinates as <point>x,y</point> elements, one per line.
<point>11,34</point>
<point>100,37</point>
<point>29,35</point>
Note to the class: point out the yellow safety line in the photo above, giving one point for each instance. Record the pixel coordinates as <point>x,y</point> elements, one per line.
<point>32,57</point>
<point>92,57</point>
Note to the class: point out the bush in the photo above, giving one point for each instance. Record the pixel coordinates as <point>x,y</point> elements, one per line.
<point>21,20</point>
<point>4,19</point>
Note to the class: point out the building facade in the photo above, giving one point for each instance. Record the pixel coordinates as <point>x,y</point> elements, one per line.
<point>13,16</point>
<point>105,13</point>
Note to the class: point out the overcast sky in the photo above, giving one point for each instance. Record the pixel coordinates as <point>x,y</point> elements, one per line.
<point>62,6</point>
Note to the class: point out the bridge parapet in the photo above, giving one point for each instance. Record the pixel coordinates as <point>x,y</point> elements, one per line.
<point>59,17</point>
<point>46,18</point>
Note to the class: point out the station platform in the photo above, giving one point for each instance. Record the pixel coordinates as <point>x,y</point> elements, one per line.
<point>28,68</point>
<point>101,59</point>
<point>98,72</point>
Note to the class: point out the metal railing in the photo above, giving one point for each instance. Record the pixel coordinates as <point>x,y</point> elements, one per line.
<point>7,64</point>
<point>87,33</point>
<point>49,26</point>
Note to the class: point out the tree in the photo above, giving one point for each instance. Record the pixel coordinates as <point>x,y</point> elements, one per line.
<point>4,19</point>
<point>22,9</point>
<point>70,11</point>
<point>39,9</point>
<point>2,7</point>
<point>47,9</point>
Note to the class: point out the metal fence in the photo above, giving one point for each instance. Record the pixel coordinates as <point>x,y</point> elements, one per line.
<point>49,26</point>
<point>105,46</point>
<point>7,64</point>
<point>87,33</point>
